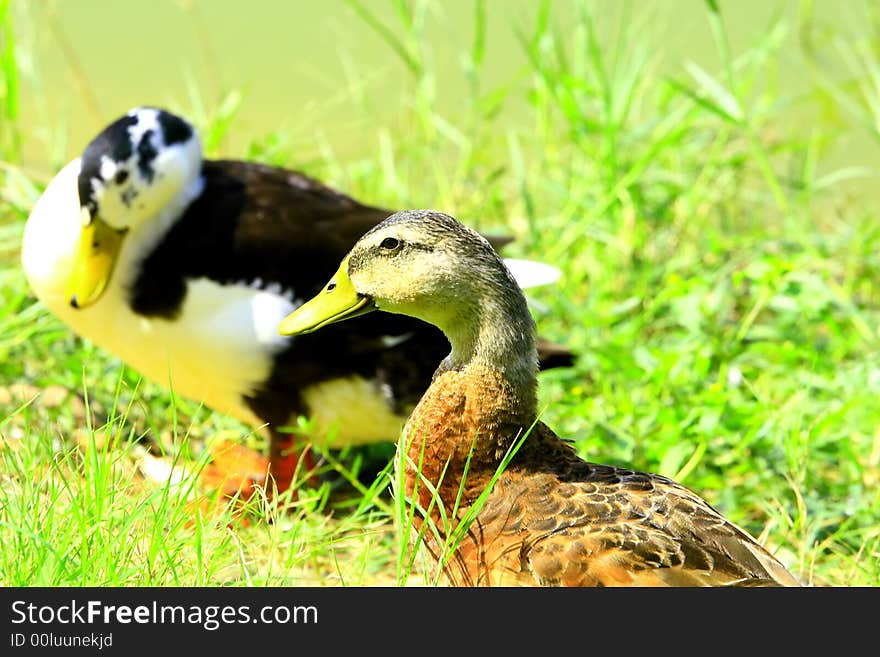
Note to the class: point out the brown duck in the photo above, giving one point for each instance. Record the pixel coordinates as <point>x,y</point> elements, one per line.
<point>550,518</point>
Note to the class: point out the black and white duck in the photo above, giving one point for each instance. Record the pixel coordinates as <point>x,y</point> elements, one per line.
<point>182,267</point>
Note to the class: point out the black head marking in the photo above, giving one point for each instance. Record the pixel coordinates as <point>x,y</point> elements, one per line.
<point>116,143</point>
<point>113,142</point>
<point>174,129</point>
<point>146,153</point>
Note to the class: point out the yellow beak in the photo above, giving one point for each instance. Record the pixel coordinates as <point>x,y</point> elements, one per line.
<point>99,245</point>
<point>337,301</point>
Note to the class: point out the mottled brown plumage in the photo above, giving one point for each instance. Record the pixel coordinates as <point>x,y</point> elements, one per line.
<point>551,517</point>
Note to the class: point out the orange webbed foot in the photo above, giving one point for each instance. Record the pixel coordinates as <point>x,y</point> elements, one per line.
<point>240,472</point>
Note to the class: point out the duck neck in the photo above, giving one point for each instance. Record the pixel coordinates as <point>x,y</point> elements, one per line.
<point>483,395</point>
<point>502,341</point>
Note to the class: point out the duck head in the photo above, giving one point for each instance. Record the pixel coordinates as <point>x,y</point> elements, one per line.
<point>428,265</point>
<point>128,174</point>
<point>420,263</point>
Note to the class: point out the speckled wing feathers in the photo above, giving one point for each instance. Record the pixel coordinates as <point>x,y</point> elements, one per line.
<point>555,520</point>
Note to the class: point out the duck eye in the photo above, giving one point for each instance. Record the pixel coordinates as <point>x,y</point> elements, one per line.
<point>389,243</point>
<point>121,176</point>
<point>331,286</point>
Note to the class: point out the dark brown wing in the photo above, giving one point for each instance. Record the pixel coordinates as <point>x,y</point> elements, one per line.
<point>288,227</point>
<point>260,223</point>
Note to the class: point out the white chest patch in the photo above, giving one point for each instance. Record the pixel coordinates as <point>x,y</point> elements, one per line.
<point>230,314</point>
<point>218,349</point>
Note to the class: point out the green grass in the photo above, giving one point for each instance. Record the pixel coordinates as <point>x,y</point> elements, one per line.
<point>720,285</point>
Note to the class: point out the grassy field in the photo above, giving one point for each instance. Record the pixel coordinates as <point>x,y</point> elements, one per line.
<point>720,287</point>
